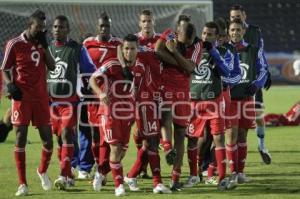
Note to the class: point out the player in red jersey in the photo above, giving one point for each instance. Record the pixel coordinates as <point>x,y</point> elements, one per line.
<point>101,48</point>
<point>147,38</point>
<point>181,52</point>
<point>27,56</point>
<point>116,113</point>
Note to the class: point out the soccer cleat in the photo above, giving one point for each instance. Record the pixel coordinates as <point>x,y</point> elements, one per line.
<point>22,190</point>
<point>175,186</point>
<point>233,181</point>
<point>192,181</point>
<point>265,155</point>
<point>98,180</point>
<point>132,183</point>
<point>45,180</point>
<point>171,156</point>
<point>120,191</point>
<point>242,178</point>
<point>61,183</point>
<point>222,186</point>
<point>212,180</point>
<point>204,173</point>
<point>70,182</point>
<point>104,180</point>
<point>160,188</point>
<point>83,175</point>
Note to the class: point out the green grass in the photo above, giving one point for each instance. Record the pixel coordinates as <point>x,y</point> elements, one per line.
<point>281,179</point>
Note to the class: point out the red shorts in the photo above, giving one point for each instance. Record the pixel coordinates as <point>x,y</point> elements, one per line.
<point>63,115</point>
<point>179,102</point>
<point>147,120</point>
<point>227,100</point>
<point>242,113</point>
<point>207,113</point>
<point>35,111</point>
<point>115,131</point>
<point>93,116</point>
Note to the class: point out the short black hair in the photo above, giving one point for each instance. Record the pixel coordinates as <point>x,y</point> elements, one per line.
<point>37,15</point>
<point>190,30</point>
<point>237,7</point>
<point>213,25</point>
<point>62,18</point>
<point>222,24</point>
<point>104,16</point>
<point>183,17</point>
<point>147,12</point>
<point>237,21</point>
<point>131,38</point>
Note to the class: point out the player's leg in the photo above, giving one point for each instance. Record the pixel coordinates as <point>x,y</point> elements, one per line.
<point>242,154</point>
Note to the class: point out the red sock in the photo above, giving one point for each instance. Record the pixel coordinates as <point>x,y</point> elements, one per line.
<point>95,151</point>
<point>242,154</point>
<point>176,172</point>
<point>104,152</point>
<point>231,151</point>
<point>221,162</point>
<point>45,160</point>
<point>135,169</point>
<point>192,158</point>
<point>59,153</point>
<point>167,145</point>
<point>154,162</point>
<point>117,172</point>
<point>211,170</point>
<point>20,158</point>
<point>66,156</point>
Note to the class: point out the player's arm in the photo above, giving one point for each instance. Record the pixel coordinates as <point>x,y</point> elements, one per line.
<point>261,68</point>
<point>49,60</point>
<point>102,95</point>
<point>184,63</point>
<point>223,65</point>
<point>162,52</point>
<point>235,70</point>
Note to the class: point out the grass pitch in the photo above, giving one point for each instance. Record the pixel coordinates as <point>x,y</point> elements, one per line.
<point>279,180</point>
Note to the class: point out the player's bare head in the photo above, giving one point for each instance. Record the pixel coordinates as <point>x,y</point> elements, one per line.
<point>36,22</point>
<point>210,32</point>
<point>236,30</point>
<point>186,32</point>
<point>103,26</point>
<point>146,22</point>
<point>222,36</point>
<point>60,28</point>
<point>237,12</point>
<point>182,19</point>
<point>130,47</point>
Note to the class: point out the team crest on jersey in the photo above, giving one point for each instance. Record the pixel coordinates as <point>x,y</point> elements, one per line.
<point>203,71</point>
<point>60,69</point>
<point>244,72</point>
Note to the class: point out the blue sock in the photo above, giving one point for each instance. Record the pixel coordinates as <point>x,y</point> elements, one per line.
<point>260,132</point>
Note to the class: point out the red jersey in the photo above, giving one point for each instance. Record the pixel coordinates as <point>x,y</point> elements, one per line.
<point>100,51</point>
<point>149,42</point>
<point>113,83</point>
<point>173,75</point>
<point>27,61</point>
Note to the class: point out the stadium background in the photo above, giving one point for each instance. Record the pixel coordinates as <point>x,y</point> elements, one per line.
<point>276,18</point>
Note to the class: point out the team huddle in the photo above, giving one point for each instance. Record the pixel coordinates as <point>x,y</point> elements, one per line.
<point>165,88</point>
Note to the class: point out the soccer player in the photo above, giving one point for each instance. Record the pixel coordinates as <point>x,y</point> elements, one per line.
<point>208,103</point>
<point>71,59</point>
<point>253,36</point>
<point>142,72</point>
<point>25,62</point>
<point>147,39</point>
<point>101,48</point>
<point>180,53</point>
<point>254,75</point>
<point>116,110</point>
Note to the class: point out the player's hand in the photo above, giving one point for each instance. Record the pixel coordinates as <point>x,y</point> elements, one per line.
<point>14,92</point>
<point>171,45</point>
<point>207,45</point>
<point>251,89</point>
<point>41,37</point>
<point>103,98</point>
<point>268,83</point>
